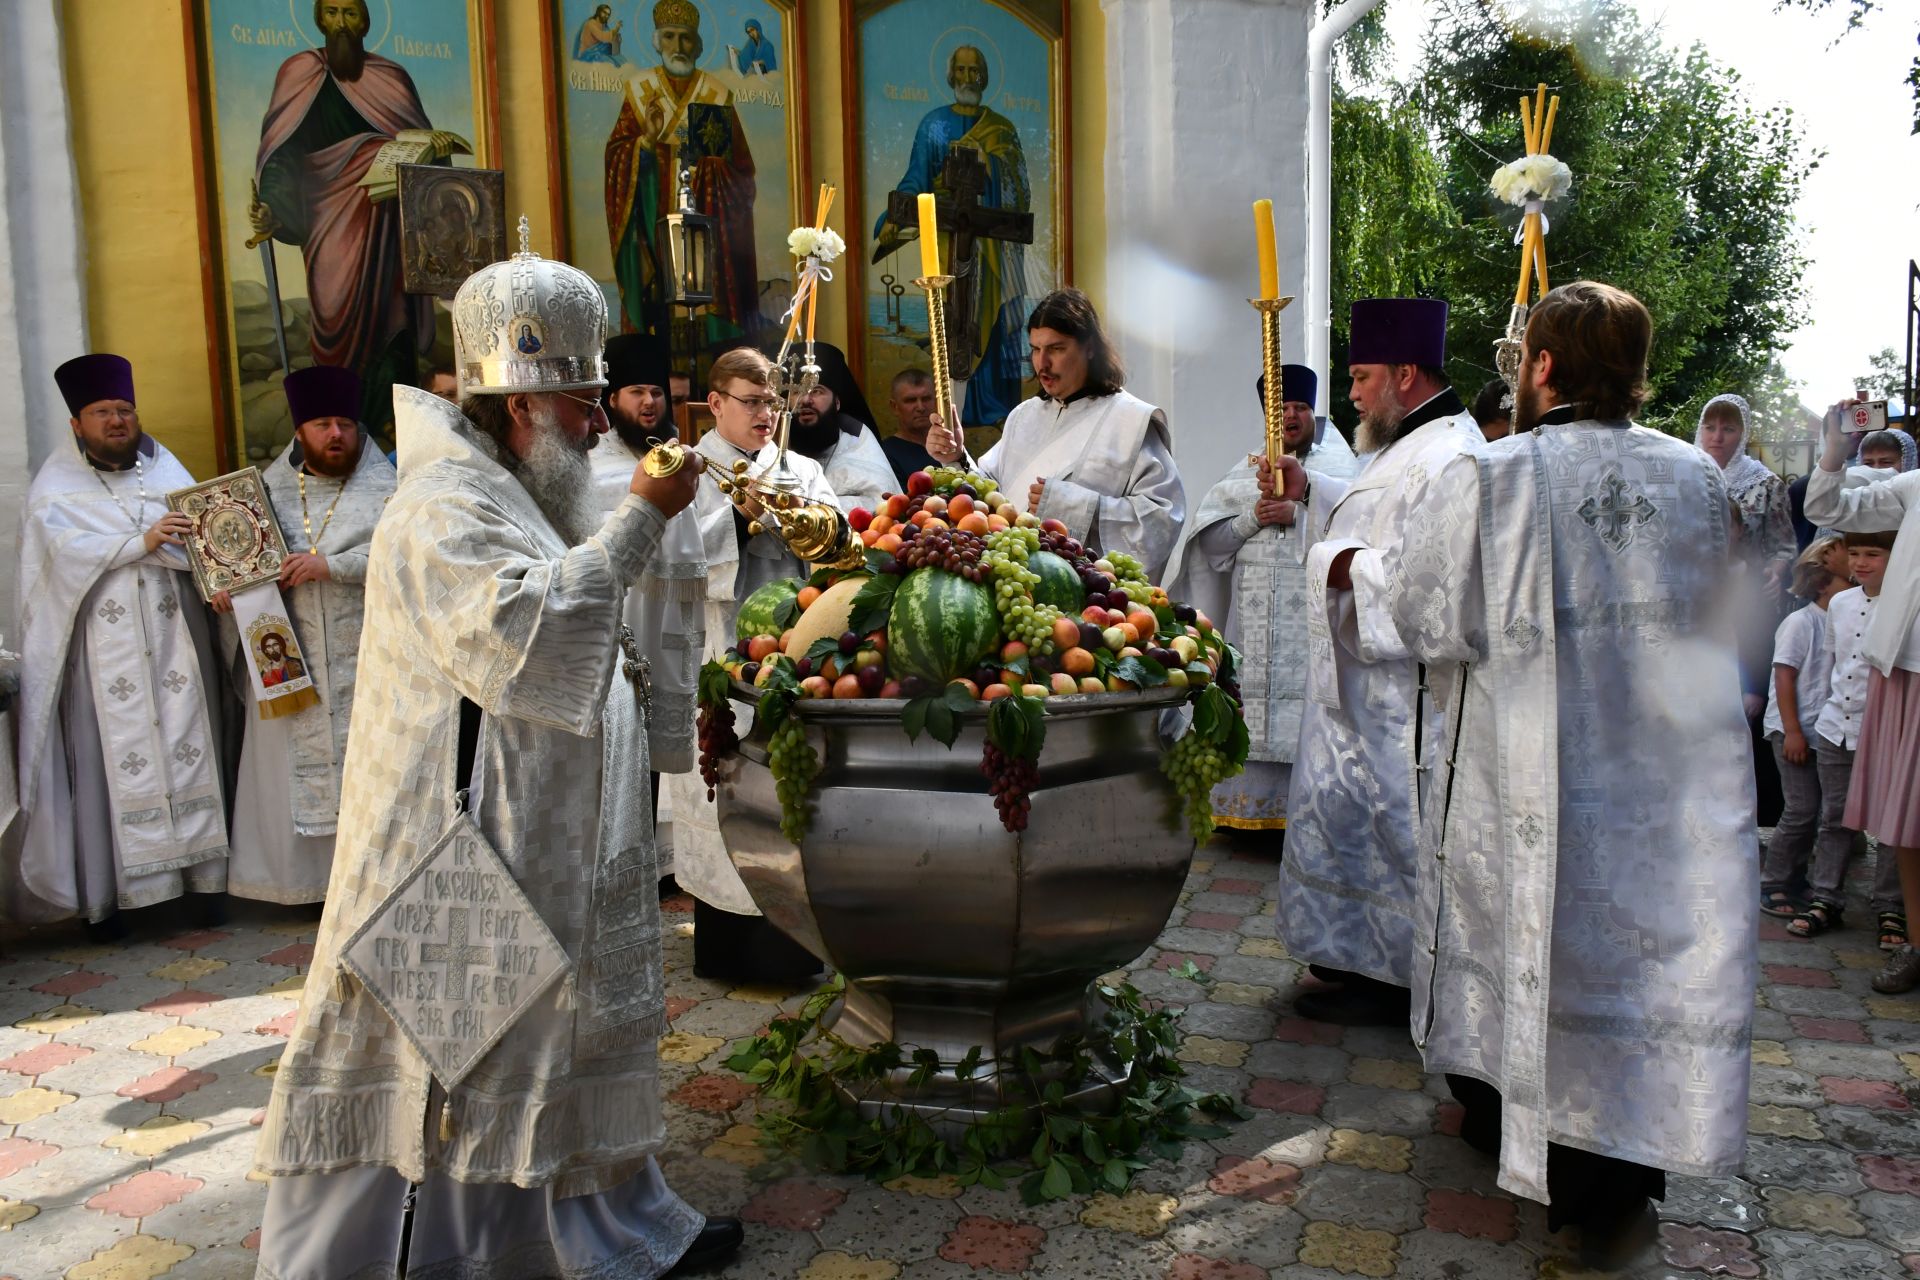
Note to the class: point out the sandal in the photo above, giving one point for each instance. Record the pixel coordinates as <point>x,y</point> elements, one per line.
<point>1893,930</point>
<point>1819,917</point>
<point>1779,902</point>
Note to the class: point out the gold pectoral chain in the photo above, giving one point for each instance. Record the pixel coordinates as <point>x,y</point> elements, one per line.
<point>306,520</point>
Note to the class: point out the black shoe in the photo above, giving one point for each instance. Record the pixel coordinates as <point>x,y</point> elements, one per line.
<point>113,929</point>
<point>718,1241</point>
<point>1612,1240</point>
<point>1328,974</point>
<point>207,910</point>
<point>1377,1006</point>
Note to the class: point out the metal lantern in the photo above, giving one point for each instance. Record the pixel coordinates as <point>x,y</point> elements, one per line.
<point>684,239</point>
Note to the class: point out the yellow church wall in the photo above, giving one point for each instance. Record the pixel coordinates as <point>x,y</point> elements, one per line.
<point>133,130</point>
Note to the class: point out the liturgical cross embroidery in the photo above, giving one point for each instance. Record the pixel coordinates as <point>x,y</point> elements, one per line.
<point>1616,511</point>
<point>123,688</point>
<point>635,667</point>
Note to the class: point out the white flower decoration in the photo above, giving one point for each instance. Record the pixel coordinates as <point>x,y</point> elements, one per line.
<point>1531,178</point>
<point>824,245</point>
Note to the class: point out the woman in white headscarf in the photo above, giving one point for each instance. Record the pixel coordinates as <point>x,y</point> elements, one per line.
<point>1766,525</point>
<point>1766,546</point>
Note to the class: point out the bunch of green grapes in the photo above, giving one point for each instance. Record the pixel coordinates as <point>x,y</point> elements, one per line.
<point>794,767</point>
<point>947,479</point>
<point>1013,583</point>
<point>1130,577</point>
<point>1195,767</point>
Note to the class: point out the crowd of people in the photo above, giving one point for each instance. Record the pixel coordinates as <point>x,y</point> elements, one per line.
<point>1488,657</point>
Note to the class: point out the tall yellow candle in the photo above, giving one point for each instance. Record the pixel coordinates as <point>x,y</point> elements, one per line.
<point>1269,254</point>
<point>929,236</point>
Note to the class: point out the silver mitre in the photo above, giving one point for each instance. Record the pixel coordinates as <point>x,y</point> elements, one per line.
<point>529,324</point>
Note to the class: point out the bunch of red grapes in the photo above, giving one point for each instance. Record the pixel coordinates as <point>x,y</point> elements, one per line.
<point>717,742</point>
<point>1009,781</point>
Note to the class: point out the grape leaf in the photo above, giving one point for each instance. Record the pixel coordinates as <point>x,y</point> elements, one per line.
<point>875,559</point>
<point>1238,740</point>
<point>1141,672</point>
<point>1169,625</point>
<point>1057,1183</point>
<point>873,604</point>
<point>787,612</point>
<point>913,716</point>
<point>1206,717</point>
<point>824,647</point>
<point>1007,728</point>
<point>957,697</point>
<point>941,722</point>
<point>1034,712</point>
<point>1103,661</point>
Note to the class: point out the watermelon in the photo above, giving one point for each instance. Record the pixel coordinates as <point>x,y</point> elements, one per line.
<point>770,610</point>
<point>1059,583</point>
<point>942,626</point>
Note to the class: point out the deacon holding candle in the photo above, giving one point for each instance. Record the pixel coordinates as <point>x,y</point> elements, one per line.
<point>1347,884</point>
<point>1084,451</point>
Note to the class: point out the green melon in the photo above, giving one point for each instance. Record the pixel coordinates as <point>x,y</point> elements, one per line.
<point>1059,584</point>
<point>942,626</point>
<point>770,610</point>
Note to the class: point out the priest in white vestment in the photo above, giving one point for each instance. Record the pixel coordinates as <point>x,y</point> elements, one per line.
<point>732,940</point>
<point>1084,451</point>
<point>665,611</point>
<point>1584,947</point>
<point>1242,561</point>
<point>1347,881</point>
<point>833,426</point>
<point>118,763</point>
<point>505,729</point>
<point>327,490</point>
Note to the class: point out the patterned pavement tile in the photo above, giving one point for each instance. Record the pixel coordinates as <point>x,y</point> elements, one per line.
<point>135,1258</point>
<point>1139,1213</point>
<point>157,1136</point>
<point>144,1194</point>
<point>31,1103</point>
<point>1268,1181</point>
<point>1783,1122</point>
<point>794,1204</point>
<point>21,1153</point>
<point>835,1265</point>
<point>875,1222</point>
<point>1005,1247</point>
<point>1349,1250</point>
<point>1718,1253</point>
<point>42,1058</point>
<point>1466,1214</point>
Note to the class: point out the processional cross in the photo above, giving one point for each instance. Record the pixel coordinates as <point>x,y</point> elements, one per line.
<point>963,179</point>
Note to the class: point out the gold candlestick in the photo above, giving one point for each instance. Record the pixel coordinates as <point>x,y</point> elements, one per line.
<point>936,287</point>
<point>1270,309</point>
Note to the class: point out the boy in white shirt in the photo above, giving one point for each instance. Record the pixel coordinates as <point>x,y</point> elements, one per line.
<point>1837,734</point>
<point>1802,665</point>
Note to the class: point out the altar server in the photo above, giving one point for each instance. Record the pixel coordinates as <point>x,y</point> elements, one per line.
<point>1584,957</point>
<point>732,941</point>
<point>1242,561</point>
<point>1084,451</point>
<point>119,780</point>
<point>1347,883</point>
<point>327,490</point>
<point>504,719</point>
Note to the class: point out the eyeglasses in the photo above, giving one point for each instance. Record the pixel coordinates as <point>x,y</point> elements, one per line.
<point>593,405</point>
<point>756,404</point>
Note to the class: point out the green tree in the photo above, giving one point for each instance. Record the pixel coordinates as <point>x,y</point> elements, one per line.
<point>1678,190</point>
<point>1889,376</point>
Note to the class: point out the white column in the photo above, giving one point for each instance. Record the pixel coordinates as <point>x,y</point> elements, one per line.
<point>43,302</point>
<point>1206,113</point>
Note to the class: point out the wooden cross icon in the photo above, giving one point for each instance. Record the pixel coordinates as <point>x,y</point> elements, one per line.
<point>962,180</point>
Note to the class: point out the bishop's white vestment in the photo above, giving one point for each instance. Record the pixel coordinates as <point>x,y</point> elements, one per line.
<point>1108,464</point>
<point>1347,881</point>
<point>737,566</point>
<point>1252,582</point>
<point>287,801</point>
<point>472,595</point>
<point>118,767</point>
<point>1584,940</point>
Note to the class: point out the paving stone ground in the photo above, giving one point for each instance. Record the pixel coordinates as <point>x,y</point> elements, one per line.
<point>132,1077</point>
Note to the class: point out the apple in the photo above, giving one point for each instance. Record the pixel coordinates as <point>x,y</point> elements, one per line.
<point>1177,679</point>
<point>1131,651</point>
<point>815,687</point>
<point>1187,647</point>
<point>935,504</point>
<point>1063,683</point>
<point>891,689</point>
<point>998,689</point>
<point>897,507</point>
<point>1105,566</point>
<point>1114,638</point>
<point>867,659</point>
<point>918,484</point>
<point>1116,685</point>
<point>1204,623</point>
<point>1028,520</point>
<point>1033,691</point>
<point>1092,684</point>
<point>760,647</point>
<point>1095,614</point>
<point>858,519</point>
<point>1012,649</point>
<point>766,674</point>
<point>1053,526</point>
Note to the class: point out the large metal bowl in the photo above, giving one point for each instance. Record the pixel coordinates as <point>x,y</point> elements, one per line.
<point>951,931</point>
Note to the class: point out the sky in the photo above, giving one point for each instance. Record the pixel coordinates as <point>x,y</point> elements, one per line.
<point>1859,214</point>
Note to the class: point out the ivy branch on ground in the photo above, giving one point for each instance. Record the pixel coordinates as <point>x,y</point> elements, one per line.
<point>1053,1148</point>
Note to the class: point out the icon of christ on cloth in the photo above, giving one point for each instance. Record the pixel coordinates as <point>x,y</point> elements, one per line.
<point>676,114</point>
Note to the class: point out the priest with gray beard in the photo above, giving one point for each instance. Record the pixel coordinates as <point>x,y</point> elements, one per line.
<point>514,1132</point>
<point>1347,882</point>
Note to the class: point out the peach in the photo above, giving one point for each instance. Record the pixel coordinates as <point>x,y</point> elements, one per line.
<point>993,691</point>
<point>1063,683</point>
<point>1066,633</point>
<point>1091,684</point>
<point>847,686</point>
<point>760,647</point>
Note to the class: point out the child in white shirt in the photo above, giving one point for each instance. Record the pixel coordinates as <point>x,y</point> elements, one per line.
<point>1798,692</point>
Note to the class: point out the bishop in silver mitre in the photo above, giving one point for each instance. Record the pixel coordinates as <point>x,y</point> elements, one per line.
<point>1347,882</point>
<point>472,1080</point>
<point>327,489</point>
<point>1242,561</point>
<point>1584,953</point>
<point>119,750</point>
